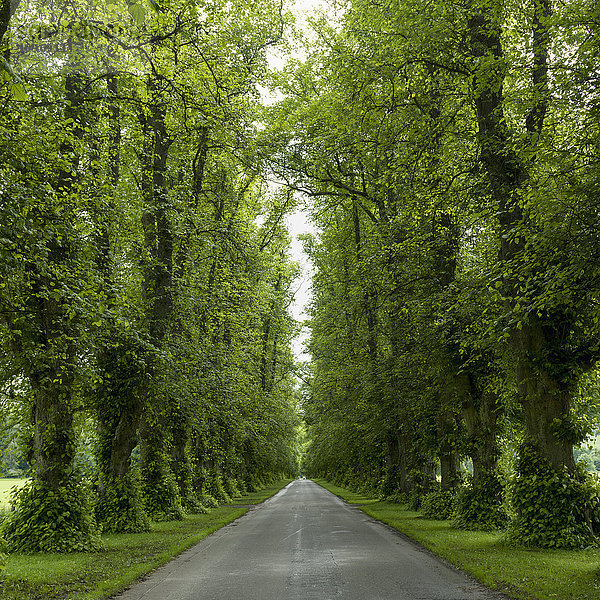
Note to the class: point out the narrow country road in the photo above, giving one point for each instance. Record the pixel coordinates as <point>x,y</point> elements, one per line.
<point>304,544</point>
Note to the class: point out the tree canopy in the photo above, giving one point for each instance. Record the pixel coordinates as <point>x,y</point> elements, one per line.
<point>448,155</point>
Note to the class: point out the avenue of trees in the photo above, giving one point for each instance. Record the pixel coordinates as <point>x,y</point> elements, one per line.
<point>145,279</point>
<point>451,150</point>
<point>451,153</point>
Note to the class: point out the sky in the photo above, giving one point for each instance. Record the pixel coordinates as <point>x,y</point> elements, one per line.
<point>298,222</point>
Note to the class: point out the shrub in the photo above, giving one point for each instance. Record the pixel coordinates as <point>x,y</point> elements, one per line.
<point>194,506</point>
<point>48,520</point>
<point>479,506</point>
<point>554,508</point>
<point>438,505</point>
<point>120,508</point>
<point>208,500</point>
<point>397,498</point>
<point>414,500</point>
<point>3,556</point>
<point>161,494</point>
<point>4,514</point>
<point>214,486</point>
<point>230,487</point>
<point>242,487</point>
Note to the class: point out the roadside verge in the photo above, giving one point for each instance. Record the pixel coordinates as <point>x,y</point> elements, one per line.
<point>124,559</point>
<point>521,573</point>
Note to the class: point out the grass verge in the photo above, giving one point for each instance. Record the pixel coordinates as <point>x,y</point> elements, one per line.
<point>124,558</point>
<point>521,573</point>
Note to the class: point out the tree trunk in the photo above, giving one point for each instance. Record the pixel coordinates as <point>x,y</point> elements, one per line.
<point>450,469</point>
<point>162,496</point>
<point>480,413</point>
<point>368,294</point>
<point>52,333</point>
<point>544,398</point>
<point>7,10</point>
<point>120,399</point>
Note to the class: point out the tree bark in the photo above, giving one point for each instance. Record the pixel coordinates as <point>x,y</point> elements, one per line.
<point>480,411</point>
<point>7,10</point>
<point>545,397</point>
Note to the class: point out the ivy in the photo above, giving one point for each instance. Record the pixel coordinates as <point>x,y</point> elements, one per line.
<point>438,505</point>
<point>160,492</point>
<point>3,556</point>
<point>479,504</point>
<point>120,508</point>
<point>554,508</point>
<point>51,520</point>
<point>214,487</point>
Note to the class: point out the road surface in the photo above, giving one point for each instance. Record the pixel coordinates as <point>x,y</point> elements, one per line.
<point>305,544</point>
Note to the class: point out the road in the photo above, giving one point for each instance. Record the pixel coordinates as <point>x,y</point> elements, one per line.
<point>305,544</point>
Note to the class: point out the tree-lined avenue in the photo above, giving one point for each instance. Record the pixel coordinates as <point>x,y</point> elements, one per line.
<point>307,544</point>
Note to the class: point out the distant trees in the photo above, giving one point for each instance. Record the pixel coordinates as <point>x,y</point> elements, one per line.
<point>145,275</point>
<point>450,153</point>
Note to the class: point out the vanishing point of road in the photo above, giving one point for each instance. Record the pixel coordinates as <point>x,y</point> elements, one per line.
<point>306,544</point>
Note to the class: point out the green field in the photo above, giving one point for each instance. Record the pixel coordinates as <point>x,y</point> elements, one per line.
<point>6,485</point>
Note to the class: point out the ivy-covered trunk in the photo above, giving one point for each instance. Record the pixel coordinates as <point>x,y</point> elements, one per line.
<point>480,502</point>
<point>397,479</point>
<point>182,466</point>
<point>161,494</point>
<point>53,511</point>
<point>119,508</point>
<point>447,446</point>
<point>546,398</point>
<point>121,362</point>
<point>158,482</point>
<point>480,413</point>
<point>547,495</point>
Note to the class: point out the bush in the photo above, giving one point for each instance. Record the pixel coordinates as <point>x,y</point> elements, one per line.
<point>208,500</point>
<point>194,506</point>
<point>48,520</point>
<point>214,486</point>
<point>120,508</point>
<point>438,505</point>
<point>160,493</point>
<point>3,556</point>
<point>479,506</point>
<point>230,487</point>
<point>415,500</point>
<point>554,509</point>
<point>422,485</point>
<point>397,498</point>
<point>4,514</point>
<point>242,487</point>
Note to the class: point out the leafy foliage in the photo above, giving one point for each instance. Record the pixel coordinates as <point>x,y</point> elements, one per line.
<point>555,509</point>
<point>120,507</point>
<point>45,520</point>
<point>3,556</point>
<point>479,505</point>
<point>438,505</point>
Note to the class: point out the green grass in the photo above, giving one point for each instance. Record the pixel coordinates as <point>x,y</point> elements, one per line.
<point>259,496</point>
<point>6,486</point>
<point>347,495</point>
<point>124,558</point>
<point>520,573</point>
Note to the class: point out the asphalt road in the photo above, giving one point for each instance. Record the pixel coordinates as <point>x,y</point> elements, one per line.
<point>305,544</point>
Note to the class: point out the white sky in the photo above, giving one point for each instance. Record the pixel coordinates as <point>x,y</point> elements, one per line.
<point>298,222</point>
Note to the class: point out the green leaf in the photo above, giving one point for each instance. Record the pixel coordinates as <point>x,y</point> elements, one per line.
<point>18,92</point>
<point>138,12</point>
